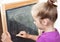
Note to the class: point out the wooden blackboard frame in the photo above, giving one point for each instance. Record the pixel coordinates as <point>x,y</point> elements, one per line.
<point>10,6</point>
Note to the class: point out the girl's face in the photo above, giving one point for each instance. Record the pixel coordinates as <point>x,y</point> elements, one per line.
<point>38,22</point>
<point>42,23</point>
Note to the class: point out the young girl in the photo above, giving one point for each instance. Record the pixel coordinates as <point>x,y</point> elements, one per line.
<point>44,15</point>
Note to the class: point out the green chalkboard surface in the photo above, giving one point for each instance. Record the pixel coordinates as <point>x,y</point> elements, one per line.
<point>20,19</point>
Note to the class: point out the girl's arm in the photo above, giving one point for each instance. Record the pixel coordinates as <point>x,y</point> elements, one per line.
<point>29,36</point>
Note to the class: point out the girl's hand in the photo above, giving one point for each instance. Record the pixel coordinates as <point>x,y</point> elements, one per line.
<point>23,34</point>
<point>6,37</point>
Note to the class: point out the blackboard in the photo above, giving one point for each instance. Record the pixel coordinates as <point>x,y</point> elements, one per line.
<point>20,19</point>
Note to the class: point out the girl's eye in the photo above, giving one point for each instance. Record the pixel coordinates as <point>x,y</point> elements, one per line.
<point>34,22</point>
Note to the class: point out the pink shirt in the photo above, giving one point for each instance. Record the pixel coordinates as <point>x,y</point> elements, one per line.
<point>49,37</point>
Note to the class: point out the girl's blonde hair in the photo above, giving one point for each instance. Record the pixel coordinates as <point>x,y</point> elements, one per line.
<point>45,10</point>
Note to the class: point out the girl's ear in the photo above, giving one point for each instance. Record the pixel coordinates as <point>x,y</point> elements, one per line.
<point>45,21</point>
